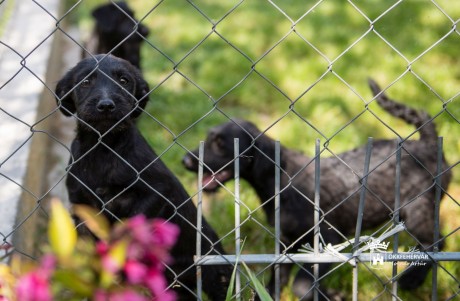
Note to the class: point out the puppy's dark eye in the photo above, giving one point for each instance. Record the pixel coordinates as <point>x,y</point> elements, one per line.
<point>123,81</point>
<point>85,82</point>
<point>218,144</point>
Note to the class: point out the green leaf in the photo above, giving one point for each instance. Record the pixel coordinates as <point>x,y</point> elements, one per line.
<point>61,230</point>
<point>228,297</point>
<point>73,282</point>
<point>231,286</point>
<point>260,289</point>
<point>95,221</point>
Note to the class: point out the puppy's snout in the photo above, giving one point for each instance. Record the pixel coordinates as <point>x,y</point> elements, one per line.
<point>105,105</point>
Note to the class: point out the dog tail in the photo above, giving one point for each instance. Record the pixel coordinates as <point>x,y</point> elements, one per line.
<point>419,118</point>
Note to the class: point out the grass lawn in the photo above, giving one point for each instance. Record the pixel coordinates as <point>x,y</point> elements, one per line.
<point>294,64</point>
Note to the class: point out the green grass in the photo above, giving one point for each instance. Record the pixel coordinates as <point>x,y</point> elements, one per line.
<point>244,75</point>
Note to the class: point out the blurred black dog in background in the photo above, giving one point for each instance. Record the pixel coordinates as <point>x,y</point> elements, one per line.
<point>340,186</point>
<point>115,24</point>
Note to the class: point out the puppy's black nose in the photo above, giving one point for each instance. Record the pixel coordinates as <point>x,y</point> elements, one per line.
<point>187,161</point>
<point>105,105</point>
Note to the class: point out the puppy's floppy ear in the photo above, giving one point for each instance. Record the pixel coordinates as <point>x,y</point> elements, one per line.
<point>142,91</point>
<point>143,30</point>
<point>66,102</point>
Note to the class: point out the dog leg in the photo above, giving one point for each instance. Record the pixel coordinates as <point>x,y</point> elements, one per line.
<point>216,277</point>
<point>419,220</point>
<point>285,270</point>
<point>303,284</point>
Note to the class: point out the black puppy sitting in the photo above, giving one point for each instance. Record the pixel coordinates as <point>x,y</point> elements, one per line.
<point>115,24</point>
<point>340,186</point>
<point>112,167</point>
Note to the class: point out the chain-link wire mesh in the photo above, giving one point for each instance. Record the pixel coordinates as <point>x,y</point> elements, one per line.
<point>342,218</point>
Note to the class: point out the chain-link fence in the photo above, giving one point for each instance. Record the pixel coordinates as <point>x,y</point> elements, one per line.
<point>286,180</point>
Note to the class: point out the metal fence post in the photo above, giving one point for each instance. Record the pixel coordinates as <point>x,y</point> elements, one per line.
<point>316,218</point>
<point>359,220</point>
<point>277,217</point>
<point>437,201</point>
<point>237,214</point>
<point>199,219</point>
<point>394,285</point>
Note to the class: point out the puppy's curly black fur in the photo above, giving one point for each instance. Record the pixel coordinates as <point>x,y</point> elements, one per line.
<point>340,185</point>
<point>112,167</point>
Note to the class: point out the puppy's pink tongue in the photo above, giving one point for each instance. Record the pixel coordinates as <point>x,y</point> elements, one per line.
<point>211,182</point>
<point>208,182</point>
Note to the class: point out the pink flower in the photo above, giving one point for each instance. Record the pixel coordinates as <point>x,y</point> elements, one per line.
<point>148,244</point>
<point>136,250</point>
<point>34,287</point>
<point>135,272</point>
<point>100,295</point>
<point>167,296</point>
<point>102,248</point>
<point>140,229</point>
<point>110,264</point>
<point>126,295</point>
<point>47,265</point>
<point>165,233</point>
<point>156,282</point>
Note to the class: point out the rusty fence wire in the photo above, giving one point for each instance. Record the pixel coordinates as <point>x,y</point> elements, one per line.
<point>330,214</point>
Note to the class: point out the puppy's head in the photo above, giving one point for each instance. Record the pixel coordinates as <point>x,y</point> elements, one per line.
<point>104,92</point>
<point>109,16</point>
<point>219,153</point>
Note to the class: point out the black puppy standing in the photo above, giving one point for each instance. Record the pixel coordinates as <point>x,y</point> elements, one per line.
<point>118,32</point>
<point>112,167</point>
<point>339,191</point>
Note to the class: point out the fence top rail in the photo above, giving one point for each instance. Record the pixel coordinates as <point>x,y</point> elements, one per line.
<point>327,258</point>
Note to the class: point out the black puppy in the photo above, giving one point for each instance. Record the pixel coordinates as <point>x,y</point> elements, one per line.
<point>339,191</point>
<point>112,167</point>
<point>115,23</point>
